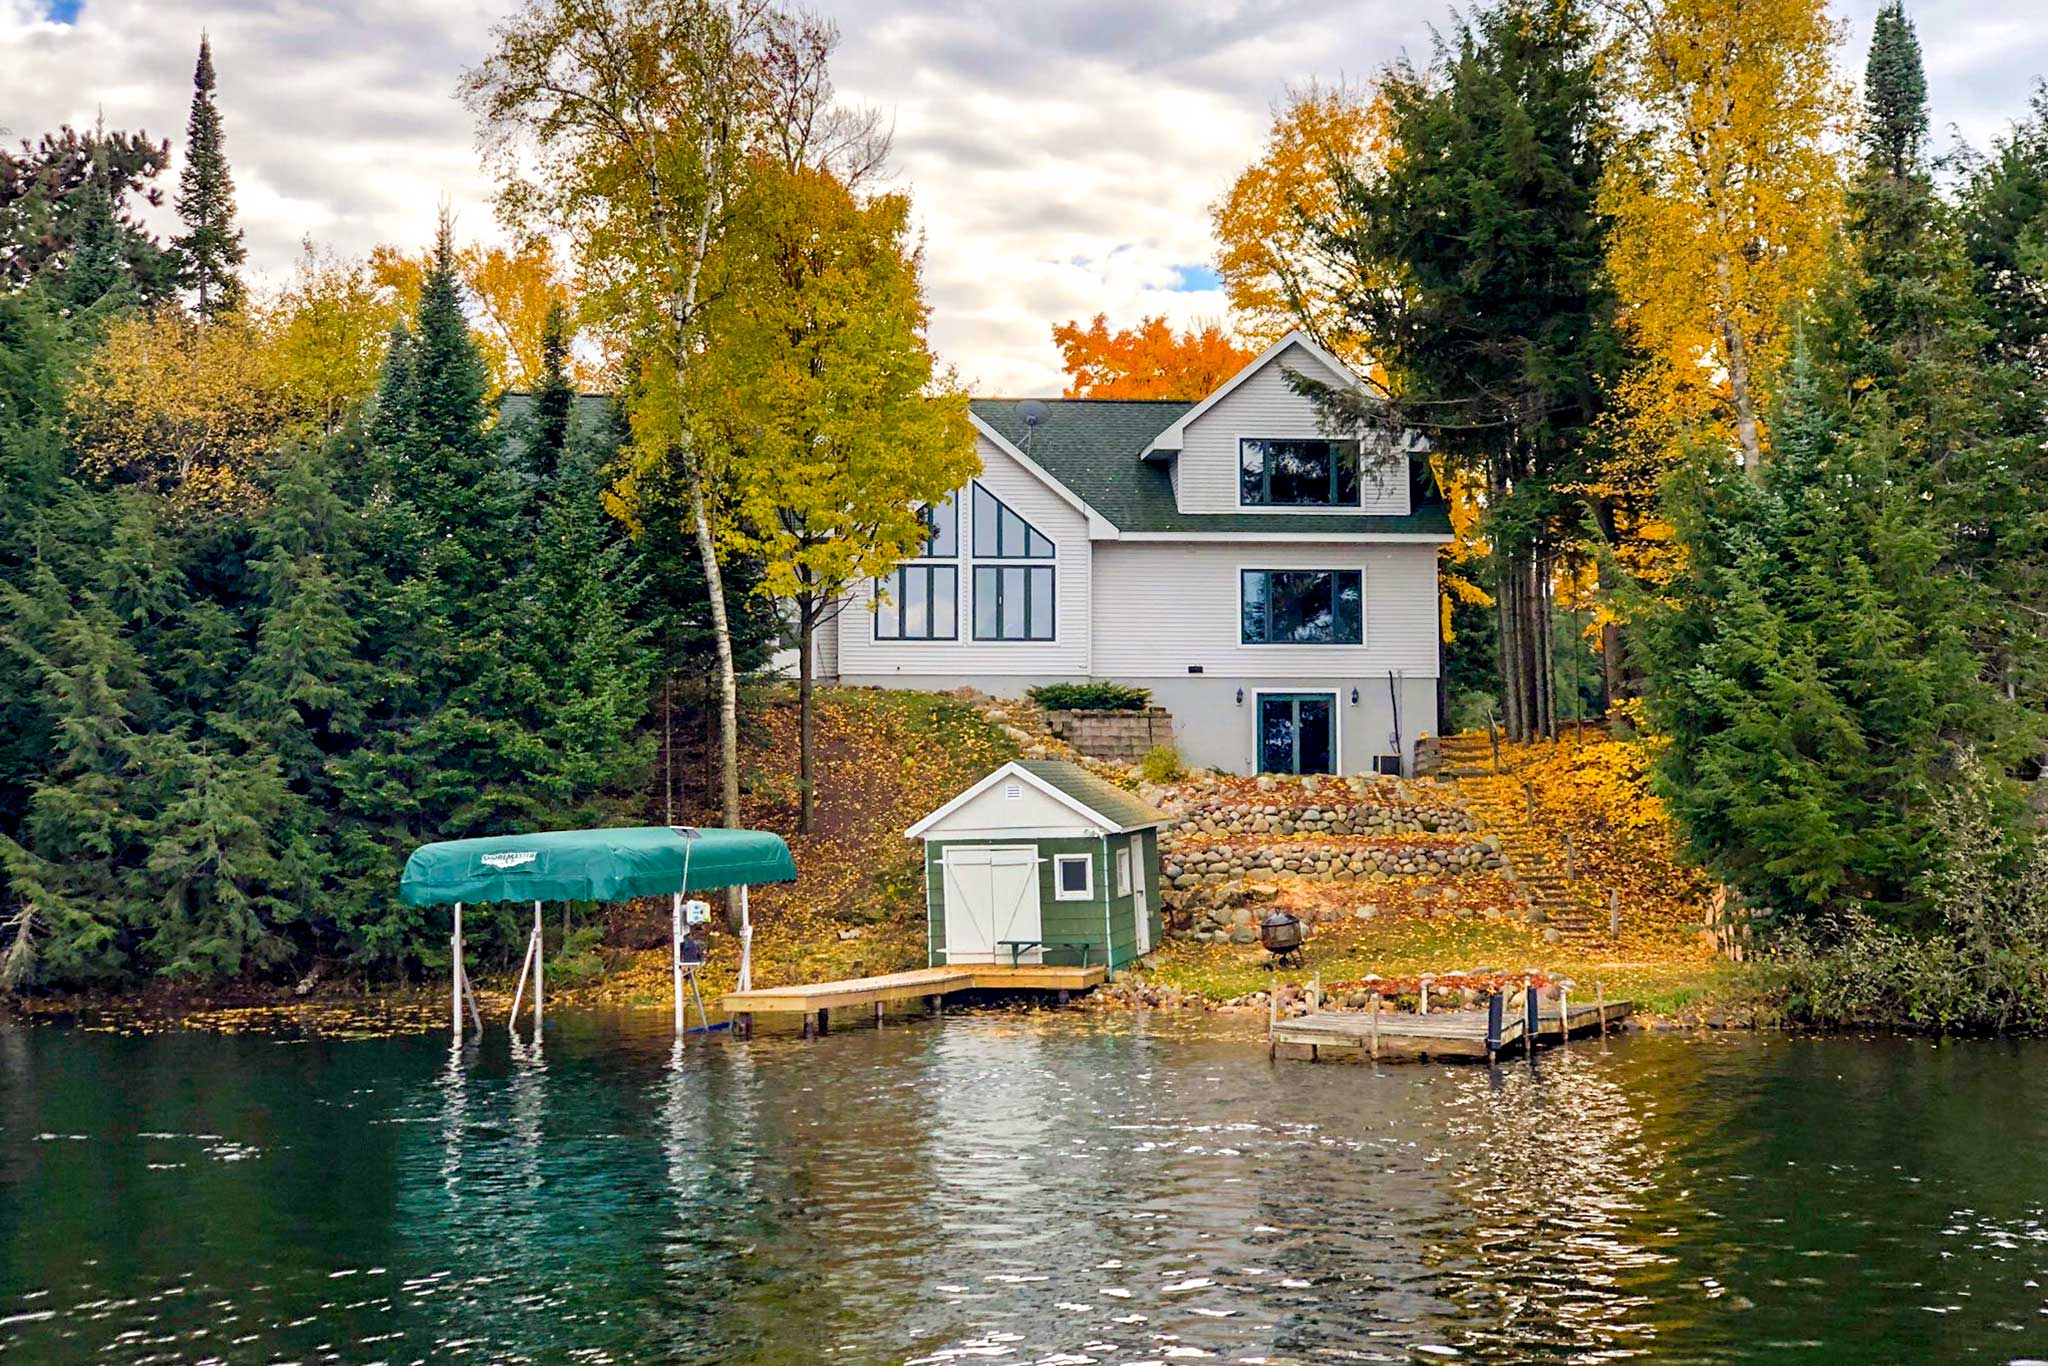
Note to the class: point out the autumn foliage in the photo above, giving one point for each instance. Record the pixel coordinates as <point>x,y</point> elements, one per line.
<point>1150,360</point>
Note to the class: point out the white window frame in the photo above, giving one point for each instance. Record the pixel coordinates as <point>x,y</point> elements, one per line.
<point>1059,884</point>
<point>1123,870</point>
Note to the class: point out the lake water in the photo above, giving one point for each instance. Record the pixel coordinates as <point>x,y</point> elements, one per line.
<point>1061,1187</point>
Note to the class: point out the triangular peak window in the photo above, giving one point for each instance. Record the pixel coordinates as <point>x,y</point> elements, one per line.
<point>1000,534</point>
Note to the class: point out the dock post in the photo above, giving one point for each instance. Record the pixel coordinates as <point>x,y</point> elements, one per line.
<point>824,1022</point>
<point>878,1014</point>
<point>1600,997</point>
<point>935,1004</point>
<point>1532,1018</point>
<point>1425,996</point>
<point>1315,992</point>
<point>1272,1013</point>
<point>1375,1026</point>
<point>539,952</point>
<point>743,1024</point>
<point>1564,1014</point>
<point>1494,1013</point>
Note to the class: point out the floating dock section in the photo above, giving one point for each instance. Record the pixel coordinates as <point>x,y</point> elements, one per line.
<point>816,1001</point>
<point>1443,1036</point>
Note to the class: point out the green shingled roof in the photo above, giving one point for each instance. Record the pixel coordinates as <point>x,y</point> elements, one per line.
<point>1116,806</point>
<point>1096,446</point>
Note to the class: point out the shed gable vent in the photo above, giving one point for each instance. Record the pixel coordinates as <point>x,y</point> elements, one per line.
<point>1013,792</point>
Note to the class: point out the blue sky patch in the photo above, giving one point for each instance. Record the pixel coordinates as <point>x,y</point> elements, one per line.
<point>1194,280</point>
<point>64,11</point>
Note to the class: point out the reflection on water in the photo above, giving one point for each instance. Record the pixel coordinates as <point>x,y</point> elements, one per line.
<point>1054,1188</point>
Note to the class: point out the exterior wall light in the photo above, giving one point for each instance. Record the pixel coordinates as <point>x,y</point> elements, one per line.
<point>1354,697</point>
<point>1240,697</point>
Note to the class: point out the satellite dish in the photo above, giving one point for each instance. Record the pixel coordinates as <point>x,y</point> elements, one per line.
<point>1032,411</point>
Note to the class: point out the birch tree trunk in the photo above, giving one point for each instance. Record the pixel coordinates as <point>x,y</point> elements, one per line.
<point>728,679</point>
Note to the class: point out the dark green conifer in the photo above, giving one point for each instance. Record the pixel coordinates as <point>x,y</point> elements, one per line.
<point>1894,95</point>
<point>554,399</point>
<point>211,245</point>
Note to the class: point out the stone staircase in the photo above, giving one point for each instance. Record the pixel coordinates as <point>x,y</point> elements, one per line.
<point>1571,909</point>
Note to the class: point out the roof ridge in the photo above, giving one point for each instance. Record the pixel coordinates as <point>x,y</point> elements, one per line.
<point>1034,398</point>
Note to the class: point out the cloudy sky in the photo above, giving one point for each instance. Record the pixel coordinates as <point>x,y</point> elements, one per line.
<point>1062,153</point>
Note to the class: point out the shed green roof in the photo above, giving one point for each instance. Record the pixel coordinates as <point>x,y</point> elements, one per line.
<point>1096,447</point>
<point>592,865</point>
<point>1121,809</point>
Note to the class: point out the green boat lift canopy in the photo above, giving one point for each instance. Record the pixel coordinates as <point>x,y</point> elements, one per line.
<point>593,865</point>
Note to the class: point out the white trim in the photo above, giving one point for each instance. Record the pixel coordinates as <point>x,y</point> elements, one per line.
<point>982,835</point>
<point>1336,696</point>
<point>1306,533</point>
<point>1096,820</point>
<point>1364,627</point>
<point>1175,437</point>
<point>1087,862</point>
<point>1099,527</point>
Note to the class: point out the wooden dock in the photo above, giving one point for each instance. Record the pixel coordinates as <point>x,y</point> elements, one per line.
<point>1443,1036</point>
<point>816,1001</point>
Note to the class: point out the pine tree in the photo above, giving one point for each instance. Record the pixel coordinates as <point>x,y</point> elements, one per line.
<point>1894,94</point>
<point>94,270</point>
<point>554,400</point>
<point>1497,328</point>
<point>211,245</point>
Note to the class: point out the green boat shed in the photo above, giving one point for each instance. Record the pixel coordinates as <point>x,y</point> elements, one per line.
<point>1042,861</point>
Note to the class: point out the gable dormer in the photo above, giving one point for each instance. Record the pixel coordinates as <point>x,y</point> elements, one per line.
<point>1257,446</point>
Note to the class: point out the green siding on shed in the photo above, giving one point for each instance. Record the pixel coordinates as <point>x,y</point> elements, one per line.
<point>1104,921</point>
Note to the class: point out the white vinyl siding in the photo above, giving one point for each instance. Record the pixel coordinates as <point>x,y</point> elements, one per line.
<point>1064,656</point>
<point>1265,405</point>
<point>1163,605</point>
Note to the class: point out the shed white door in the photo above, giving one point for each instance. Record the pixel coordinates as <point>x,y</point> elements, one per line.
<point>991,896</point>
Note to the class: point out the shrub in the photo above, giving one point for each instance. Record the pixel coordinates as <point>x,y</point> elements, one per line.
<point>1161,764</point>
<point>1090,697</point>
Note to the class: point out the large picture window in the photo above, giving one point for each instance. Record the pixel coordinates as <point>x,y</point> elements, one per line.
<point>918,602</point>
<point>1000,534</point>
<point>1013,602</point>
<point>1303,606</point>
<point>1297,473</point>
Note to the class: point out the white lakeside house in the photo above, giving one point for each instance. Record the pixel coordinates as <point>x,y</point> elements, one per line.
<point>1273,587</point>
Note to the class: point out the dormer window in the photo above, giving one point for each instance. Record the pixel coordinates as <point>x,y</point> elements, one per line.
<point>1297,473</point>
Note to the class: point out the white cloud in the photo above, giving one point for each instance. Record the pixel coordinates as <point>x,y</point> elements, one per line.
<point>1062,153</point>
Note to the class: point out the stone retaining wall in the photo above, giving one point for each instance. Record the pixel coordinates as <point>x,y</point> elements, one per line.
<point>1334,815</point>
<point>1122,736</point>
<point>1186,869</point>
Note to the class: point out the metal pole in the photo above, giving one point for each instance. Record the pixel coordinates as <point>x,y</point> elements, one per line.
<point>1531,1018</point>
<point>675,954</point>
<point>455,972</point>
<point>746,943</point>
<point>539,952</point>
<point>1494,1023</point>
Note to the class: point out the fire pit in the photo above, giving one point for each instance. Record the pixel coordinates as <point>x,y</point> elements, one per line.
<point>1283,935</point>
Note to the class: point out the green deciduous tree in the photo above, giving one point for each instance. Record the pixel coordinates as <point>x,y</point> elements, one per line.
<point>819,392</point>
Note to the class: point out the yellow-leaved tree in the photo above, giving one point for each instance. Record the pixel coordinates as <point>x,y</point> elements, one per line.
<point>196,410</point>
<point>1272,224</point>
<point>1725,205</point>
<point>818,391</point>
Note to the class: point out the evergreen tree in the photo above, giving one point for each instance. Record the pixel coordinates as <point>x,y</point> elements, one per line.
<point>1894,94</point>
<point>49,193</point>
<point>94,270</point>
<point>1495,322</point>
<point>554,400</point>
<point>211,246</point>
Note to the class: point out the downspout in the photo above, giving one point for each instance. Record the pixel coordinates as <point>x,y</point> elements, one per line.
<point>1400,750</point>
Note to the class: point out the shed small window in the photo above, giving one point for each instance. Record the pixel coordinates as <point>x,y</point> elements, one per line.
<point>1073,877</point>
<point>1123,871</point>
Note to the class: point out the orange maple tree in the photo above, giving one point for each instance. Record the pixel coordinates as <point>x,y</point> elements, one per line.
<point>1150,360</point>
